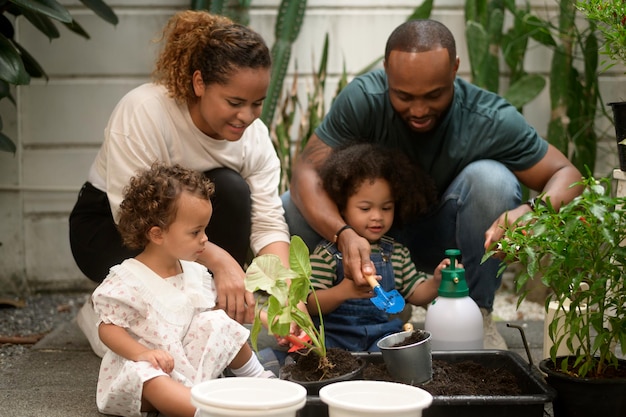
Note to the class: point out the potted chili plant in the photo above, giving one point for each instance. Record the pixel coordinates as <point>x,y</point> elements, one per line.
<point>578,246</point>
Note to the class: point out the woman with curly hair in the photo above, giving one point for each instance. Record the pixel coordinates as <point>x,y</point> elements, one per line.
<point>374,188</point>
<point>200,111</point>
<point>155,310</point>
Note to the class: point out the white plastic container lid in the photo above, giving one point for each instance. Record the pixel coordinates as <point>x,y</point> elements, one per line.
<point>375,398</point>
<point>242,393</point>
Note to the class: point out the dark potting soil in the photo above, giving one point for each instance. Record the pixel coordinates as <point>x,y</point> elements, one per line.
<point>307,365</point>
<point>461,378</point>
<point>416,336</point>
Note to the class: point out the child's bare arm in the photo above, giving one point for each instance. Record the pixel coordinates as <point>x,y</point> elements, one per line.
<point>427,291</point>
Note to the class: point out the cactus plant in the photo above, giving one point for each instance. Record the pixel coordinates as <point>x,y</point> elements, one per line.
<point>288,24</point>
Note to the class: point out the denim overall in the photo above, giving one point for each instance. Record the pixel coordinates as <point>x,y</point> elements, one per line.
<point>356,325</point>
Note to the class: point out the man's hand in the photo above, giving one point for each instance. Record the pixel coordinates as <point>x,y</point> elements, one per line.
<point>355,251</point>
<point>506,219</point>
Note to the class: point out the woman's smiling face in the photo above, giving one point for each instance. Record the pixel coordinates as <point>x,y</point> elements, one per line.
<point>224,111</point>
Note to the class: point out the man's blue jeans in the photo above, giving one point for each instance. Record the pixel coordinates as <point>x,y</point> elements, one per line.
<point>482,191</point>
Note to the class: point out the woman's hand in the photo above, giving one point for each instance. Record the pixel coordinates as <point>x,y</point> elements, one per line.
<point>232,296</point>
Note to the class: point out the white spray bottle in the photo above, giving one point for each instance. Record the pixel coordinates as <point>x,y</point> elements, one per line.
<point>453,319</point>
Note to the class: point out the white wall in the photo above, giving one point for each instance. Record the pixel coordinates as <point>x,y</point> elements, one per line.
<point>58,124</point>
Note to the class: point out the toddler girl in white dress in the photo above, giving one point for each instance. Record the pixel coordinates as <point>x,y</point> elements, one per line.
<point>156,310</point>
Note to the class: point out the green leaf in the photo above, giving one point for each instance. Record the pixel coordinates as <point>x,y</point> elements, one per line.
<point>6,144</point>
<point>30,63</point>
<point>11,66</point>
<point>525,90</point>
<point>539,30</point>
<point>102,10</point>
<point>422,11</point>
<point>267,273</point>
<point>255,330</point>
<point>200,4</point>
<point>43,23</point>
<point>5,91</point>
<point>75,27</point>
<point>299,257</point>
<point>6,27</point>
<point>477,48</point>
<point>50,8</point>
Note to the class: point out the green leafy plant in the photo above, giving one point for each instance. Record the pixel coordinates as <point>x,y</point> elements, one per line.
<point>286,288</point>
<point>17,65</point>
<point>610,16</point>
<point>578,246</point>
<point>574,84</point>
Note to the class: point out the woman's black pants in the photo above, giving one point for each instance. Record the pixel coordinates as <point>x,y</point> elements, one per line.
<point>97,245</point>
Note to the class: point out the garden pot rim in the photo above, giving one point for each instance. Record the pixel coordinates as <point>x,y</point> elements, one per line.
<point>546,366</point>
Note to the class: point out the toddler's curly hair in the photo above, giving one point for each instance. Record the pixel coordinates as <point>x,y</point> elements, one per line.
<point>150,199</point>
<point>348,167</point>
<point>213,44</point>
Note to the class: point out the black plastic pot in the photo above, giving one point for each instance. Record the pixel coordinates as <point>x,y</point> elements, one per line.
<point>583,397</point>
<point>535,392</point>
<point>619,118</point>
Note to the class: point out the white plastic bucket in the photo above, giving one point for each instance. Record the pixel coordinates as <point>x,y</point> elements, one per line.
<point>374,398</point>
<point>554,313</point>
<point>248,397</point>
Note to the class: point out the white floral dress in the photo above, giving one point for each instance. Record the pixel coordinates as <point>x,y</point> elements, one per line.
<point>172,314</point>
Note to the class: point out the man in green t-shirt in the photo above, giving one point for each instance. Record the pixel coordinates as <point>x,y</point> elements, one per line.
<point>474,145</point>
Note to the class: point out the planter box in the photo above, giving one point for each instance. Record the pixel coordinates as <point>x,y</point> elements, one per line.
<point>535,392</point>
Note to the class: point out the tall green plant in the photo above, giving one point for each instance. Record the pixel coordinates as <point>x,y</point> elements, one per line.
<point>574,95</point>
<point>288,25</point>
<point>581,243</point>
<point>574,91</point>
<point>488,42</point>
<point>310,116</point>
<point>611,18</point>
<point>17,65</point>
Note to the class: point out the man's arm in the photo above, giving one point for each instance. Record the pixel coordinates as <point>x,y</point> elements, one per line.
<point>552,175</point>
<point>321,212</point>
